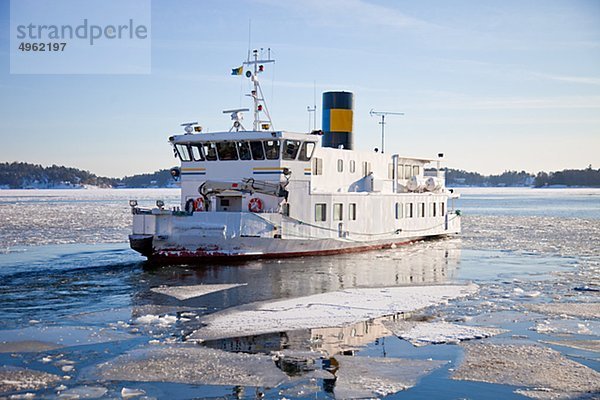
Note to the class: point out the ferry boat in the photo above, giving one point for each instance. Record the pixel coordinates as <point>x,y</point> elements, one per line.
<point>270,193</point>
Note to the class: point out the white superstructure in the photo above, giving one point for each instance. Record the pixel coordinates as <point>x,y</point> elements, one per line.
<point>266,193</point>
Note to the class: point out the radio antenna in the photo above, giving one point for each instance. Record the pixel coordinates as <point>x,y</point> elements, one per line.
<point>382,114</point>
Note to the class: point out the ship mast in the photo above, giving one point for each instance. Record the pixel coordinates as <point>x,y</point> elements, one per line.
<point>260,105</point>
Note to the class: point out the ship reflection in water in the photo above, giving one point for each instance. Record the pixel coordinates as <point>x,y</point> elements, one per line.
<point>422,263</point>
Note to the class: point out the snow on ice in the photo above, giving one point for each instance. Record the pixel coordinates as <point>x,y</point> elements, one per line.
<point>325,310</point>
<point>424,333</point>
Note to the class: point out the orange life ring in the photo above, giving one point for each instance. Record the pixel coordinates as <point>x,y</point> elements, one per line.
<point>199,204</point>
<point>255,205</point>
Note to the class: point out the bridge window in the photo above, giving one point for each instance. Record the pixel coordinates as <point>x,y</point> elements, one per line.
<point>272,149</point>
<point>306,151</point>
<point>227,151</point>
<point>183,152</point>
<point>338,211</point>
<point>352,166</point>
<point>258,153</point>
<point>244,151</point>
<point>415,170</point>
<point>196,151</point>
<point>210,151</point>
<point>352,211</point>
<point>290,149</point>
<point>407,171</point>
<point>318,166</point>
<point>340,165</point>
<point>320,212</point>
<point>399,210</point>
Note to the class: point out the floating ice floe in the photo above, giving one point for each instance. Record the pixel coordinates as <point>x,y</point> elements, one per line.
<point>325,310</point>
<point>424,333</point>
<point>589,345</point>
<point>191,365</point>
<point>59,336</point>
<point>14,379</point>
<point>27,346</point>
<point>127,393</point>
<point>190,292</point>
<point>568,327</point>
<point>582,310</point>
<point>367,377</point>
<point>83,392</point>
<point>163,322</point>
<point>532,366</point>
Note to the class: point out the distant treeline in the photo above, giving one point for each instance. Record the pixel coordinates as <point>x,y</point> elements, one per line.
<point>458,177</point>
<point>19,175</point>
<point>569,177</point>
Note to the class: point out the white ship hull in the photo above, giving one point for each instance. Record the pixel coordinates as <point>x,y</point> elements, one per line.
<point>239,236</point>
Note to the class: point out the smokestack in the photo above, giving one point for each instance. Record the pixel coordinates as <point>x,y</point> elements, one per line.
<point>337,120</point>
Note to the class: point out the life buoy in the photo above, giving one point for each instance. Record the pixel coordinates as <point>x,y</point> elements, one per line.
<point>199,204</point>
<point>255,205</point>
<point>189,206</point>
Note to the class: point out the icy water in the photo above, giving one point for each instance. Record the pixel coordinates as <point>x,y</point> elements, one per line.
<point>83,316</point>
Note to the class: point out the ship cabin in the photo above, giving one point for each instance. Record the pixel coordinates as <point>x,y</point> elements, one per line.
<point>323,186</point>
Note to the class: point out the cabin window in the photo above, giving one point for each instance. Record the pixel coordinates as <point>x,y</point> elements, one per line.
<point>318,166</point>
<point>352,211</point>
<point>366,168</point>
<point>399,210</point>
<point>306,151</point>
<point>320,212</point>
<point>227,151</point>
<point>340,165</point>
<point>258,153</point>
<point>390,171</point>
<point>210,151</point>
<point>442,209</point>
<point>272,149</point>
<point>196,151</point>
<point>415,170</point>
<point>244,151</point>
<point>338,211</point>
<point>183,152</point>
<point>290,149</point>
<point>421,210</point>
<point>352,166</point>
<point>407,171</point>
<point>400,171</point>
<point>434,209</point>
<point>409,210</point>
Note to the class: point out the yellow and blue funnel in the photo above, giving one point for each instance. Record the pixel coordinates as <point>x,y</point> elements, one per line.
<point>337,120</point>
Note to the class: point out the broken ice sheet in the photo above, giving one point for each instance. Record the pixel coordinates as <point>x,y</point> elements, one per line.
<point>582,310</point>
<point>368,377</point>
<point>17,379</point>
<point>325,310</point>
<point>189,292</point>
<point>62,336</point>
<point>424,333</point>
<point>526,365</point>
<point>191,365</point>
<point>84,392</point>
<point>27,346</point>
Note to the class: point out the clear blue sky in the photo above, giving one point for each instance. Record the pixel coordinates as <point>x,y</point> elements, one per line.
<point>495,85</point>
